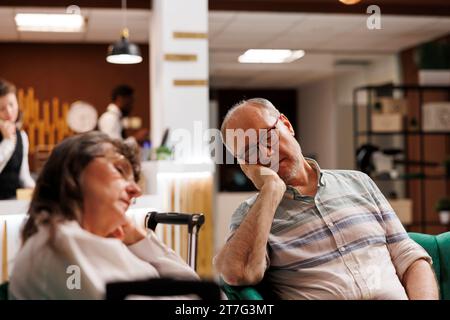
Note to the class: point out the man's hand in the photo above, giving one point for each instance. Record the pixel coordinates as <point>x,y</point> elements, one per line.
<point>8,129</point>
<point>261,175</point>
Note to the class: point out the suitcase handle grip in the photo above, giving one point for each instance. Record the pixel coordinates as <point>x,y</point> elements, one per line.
<point>193,221</point>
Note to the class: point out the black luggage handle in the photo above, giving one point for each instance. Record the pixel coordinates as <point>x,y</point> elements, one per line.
<point>193,221</point>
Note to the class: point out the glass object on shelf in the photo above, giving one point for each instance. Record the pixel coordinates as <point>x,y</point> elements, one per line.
<point>443,208</point>
<point>146,151</point>
<point>413,124</point>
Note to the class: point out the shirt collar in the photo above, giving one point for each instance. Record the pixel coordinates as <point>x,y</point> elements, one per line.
<point>320,182</point>
<point>112,107</point>
<point>294,193</point>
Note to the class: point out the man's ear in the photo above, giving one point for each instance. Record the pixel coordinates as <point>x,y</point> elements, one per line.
<point>287,123</point>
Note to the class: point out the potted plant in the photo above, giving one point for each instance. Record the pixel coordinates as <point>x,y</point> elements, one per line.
<point>443,208</point>
<point>163,153</point>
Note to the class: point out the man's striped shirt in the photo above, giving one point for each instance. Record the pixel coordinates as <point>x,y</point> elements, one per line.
<point>346,242</point>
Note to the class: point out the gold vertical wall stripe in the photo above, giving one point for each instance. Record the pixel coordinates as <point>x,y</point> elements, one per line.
<point>5,253</point>
<point>180,57</point>
<point>189,35</point>
<point>190,83</point>
<point>44,121</point>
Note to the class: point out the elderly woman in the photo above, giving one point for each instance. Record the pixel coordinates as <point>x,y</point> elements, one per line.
<point>77,226</point>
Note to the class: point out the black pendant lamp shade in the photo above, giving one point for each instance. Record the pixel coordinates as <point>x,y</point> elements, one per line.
<point>123,51</point>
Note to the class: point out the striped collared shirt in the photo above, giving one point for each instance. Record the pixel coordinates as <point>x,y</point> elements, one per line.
<point>346,242</point>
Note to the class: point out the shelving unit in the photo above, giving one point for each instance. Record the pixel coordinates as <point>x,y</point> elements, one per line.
<point>413,142</point>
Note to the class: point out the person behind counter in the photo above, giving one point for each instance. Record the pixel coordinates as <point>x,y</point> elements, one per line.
<point>14,169</point>
<point>77,218</point>
<point>122,103</point>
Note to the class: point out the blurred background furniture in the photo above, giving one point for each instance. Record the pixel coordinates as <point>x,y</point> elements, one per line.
<point>407,159</point>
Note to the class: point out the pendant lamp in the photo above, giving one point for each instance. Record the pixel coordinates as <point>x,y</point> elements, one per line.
<point>124,51</point>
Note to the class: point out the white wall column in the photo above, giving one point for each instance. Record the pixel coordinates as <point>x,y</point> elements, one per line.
<point>178,67</point>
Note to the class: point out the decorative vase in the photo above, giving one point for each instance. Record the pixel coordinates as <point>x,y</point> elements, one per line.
<point>444,216</point>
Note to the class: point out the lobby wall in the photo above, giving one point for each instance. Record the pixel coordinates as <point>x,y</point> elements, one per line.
<point>74,72</point>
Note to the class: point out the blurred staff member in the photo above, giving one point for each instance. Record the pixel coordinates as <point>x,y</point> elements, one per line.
<point>121,106</point>
<point>14,170</point>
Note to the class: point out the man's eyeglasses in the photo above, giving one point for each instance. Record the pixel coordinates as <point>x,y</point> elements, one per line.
<point>268,140</point>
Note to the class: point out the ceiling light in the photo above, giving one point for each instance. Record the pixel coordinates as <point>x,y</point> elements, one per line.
<point>270,56</point>
<point>44,22</point>
<point>350,2</point>
<point>123,51</point>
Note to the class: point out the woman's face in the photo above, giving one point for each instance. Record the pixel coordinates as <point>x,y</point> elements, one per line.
<point>108,187</point>
<point>9,109</point>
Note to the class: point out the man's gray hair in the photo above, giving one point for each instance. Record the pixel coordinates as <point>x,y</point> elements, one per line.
<point>260,102</point>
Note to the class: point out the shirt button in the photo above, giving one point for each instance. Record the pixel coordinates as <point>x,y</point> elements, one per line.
<point>342,249</point>
<point>330,224</point>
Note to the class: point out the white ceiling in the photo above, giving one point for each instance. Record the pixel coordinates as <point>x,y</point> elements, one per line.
<point>103,26</point>
<point>325,37</point>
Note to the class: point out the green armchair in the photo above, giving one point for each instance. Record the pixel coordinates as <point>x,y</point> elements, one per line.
<point>438,247</point>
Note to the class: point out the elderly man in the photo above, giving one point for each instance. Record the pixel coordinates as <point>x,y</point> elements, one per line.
<point>313,233</point>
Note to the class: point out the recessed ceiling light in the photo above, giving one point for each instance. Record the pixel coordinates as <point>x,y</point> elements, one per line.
<point>270,56</point>
<point>44,22</point>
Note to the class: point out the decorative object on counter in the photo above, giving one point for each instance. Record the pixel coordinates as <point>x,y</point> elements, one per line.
<point>124,51</point>
<point>443,208</point>
<point>163,153</point>
<point>82,117</point>
<point>146,151</point>
<point>133,123</point>
<point>436,116</point>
